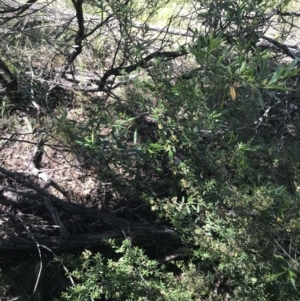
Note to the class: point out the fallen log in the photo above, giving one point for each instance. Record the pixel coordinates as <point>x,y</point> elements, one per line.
<point>140,233</point>
<point>57,243</point>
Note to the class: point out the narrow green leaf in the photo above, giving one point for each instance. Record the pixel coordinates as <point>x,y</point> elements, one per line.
<point>171,155</point>
<point>293,283</point>
<point>157,146</point>
<point>260,99</point>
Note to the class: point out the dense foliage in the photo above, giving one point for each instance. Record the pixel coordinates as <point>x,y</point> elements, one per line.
<point>205,135</point>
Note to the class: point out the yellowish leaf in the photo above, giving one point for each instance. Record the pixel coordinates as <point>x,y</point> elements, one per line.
<point>232,93</point>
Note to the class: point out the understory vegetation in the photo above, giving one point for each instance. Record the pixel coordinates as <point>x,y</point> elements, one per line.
<point>150,150</point>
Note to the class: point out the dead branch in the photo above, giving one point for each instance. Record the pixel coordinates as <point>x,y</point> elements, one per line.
<point>140,233</point>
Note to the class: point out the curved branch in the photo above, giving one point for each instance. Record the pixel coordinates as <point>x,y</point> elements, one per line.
<point>284,48</point>
<point>142,63</point>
